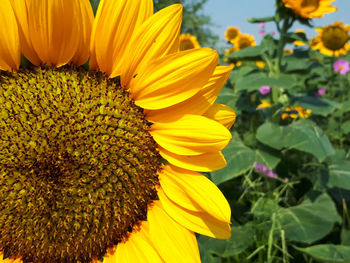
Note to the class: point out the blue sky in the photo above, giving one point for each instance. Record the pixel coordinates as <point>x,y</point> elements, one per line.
<point>235,12</point>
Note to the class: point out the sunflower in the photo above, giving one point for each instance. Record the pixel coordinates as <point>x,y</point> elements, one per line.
<point>187,41</point>
<point>243,41</point>
<point>332,40</point>
<point>310,8</point>
<point>294,112</point>
<point>101,165</point>
<point>231,33</point>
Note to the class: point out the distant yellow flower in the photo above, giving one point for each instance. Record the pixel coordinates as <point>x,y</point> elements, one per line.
<point>244,41</point>
<point>288,51</point>
<point>299,42</point>
<point>310,8</point>
<point>187,41</point>
<point>260,64</point>
<point>332,40</point>
<point>239,63</point>
<point>263,105</point>
<point>231,33</point>
<point>294,112</point>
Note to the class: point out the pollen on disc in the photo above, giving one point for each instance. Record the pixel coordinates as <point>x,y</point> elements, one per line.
<point>78,166</point>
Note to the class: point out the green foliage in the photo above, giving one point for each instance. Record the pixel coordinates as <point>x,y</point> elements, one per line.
<point>298,211</point>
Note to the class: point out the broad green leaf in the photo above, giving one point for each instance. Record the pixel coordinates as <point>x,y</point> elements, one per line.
<point>254,81</point>
<point>346,106</point>
<point>303,135</point>
<point>228,97</point>
<point>272,135</point>
<point>239,160</point>
<point>296,64</point>
<point>329,253</point>
<point>310,221</point>
<point>346,127</point>
<point>241,238</point>
<point>339,175</point>
<point>267,158</point>
<point>318,106</point>
<point>249,53</point>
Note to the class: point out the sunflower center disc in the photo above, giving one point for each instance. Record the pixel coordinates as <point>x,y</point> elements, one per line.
<point>310,5</point>
<point>78,166</point>
<point>334,37</point>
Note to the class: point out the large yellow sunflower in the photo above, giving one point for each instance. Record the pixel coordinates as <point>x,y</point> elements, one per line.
<point>187,41</point>
<point>332,40</point>
<point>310,8</point>
<point>100,165</point>
<point>243,41</point>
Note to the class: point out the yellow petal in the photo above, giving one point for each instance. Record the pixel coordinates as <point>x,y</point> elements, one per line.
<point>173,78</point>
<point>83,52</point>
<point>191,135</point>
<point>174,243</point>
<point>195,192</point>
<point>9,260</point>
<point>9,38</point>
<point>21,13</point>
<point>198,222</point>
<point>197,104</point>
<point>206,162</point>
<point>51,31</point>
<point>154,39</point>
<point>222,114</point>
<point>114,25</point>
<point>137,248</point>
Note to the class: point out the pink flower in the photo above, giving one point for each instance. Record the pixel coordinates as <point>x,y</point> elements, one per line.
<point>274,33</point>
<point>261,25</point>
<point>262,33</point>
<point>264,90</point>
<point>260,167</point>
<point>320,92</point>
<point>271,174</point>
<point>342,66</point>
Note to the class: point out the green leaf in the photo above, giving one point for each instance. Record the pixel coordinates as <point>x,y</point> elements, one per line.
<point>241,238</point>
<point>318,106</point>
<point>267,158</point>
<point>249,53</point>
<point>310,221</point>
<point>239,160</point>
<point>296,64</point>
<point>254,81</point>
<point>228,97</point>
<point>338,173</point>
<point>303,135</point>
<point>346,127</point>
<point>331,253</point>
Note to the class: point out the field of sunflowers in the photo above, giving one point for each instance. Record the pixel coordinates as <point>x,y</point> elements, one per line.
<point>287,177</point>
<point>125,137</point>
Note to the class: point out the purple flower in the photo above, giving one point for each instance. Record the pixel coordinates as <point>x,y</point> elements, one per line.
<point>262,33</point>
<point>320,92</point>
<point>261,25</point>
<point>265,90</point>
<point>271,174</point>
<point>260,167</point>
<point>342,66</point>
